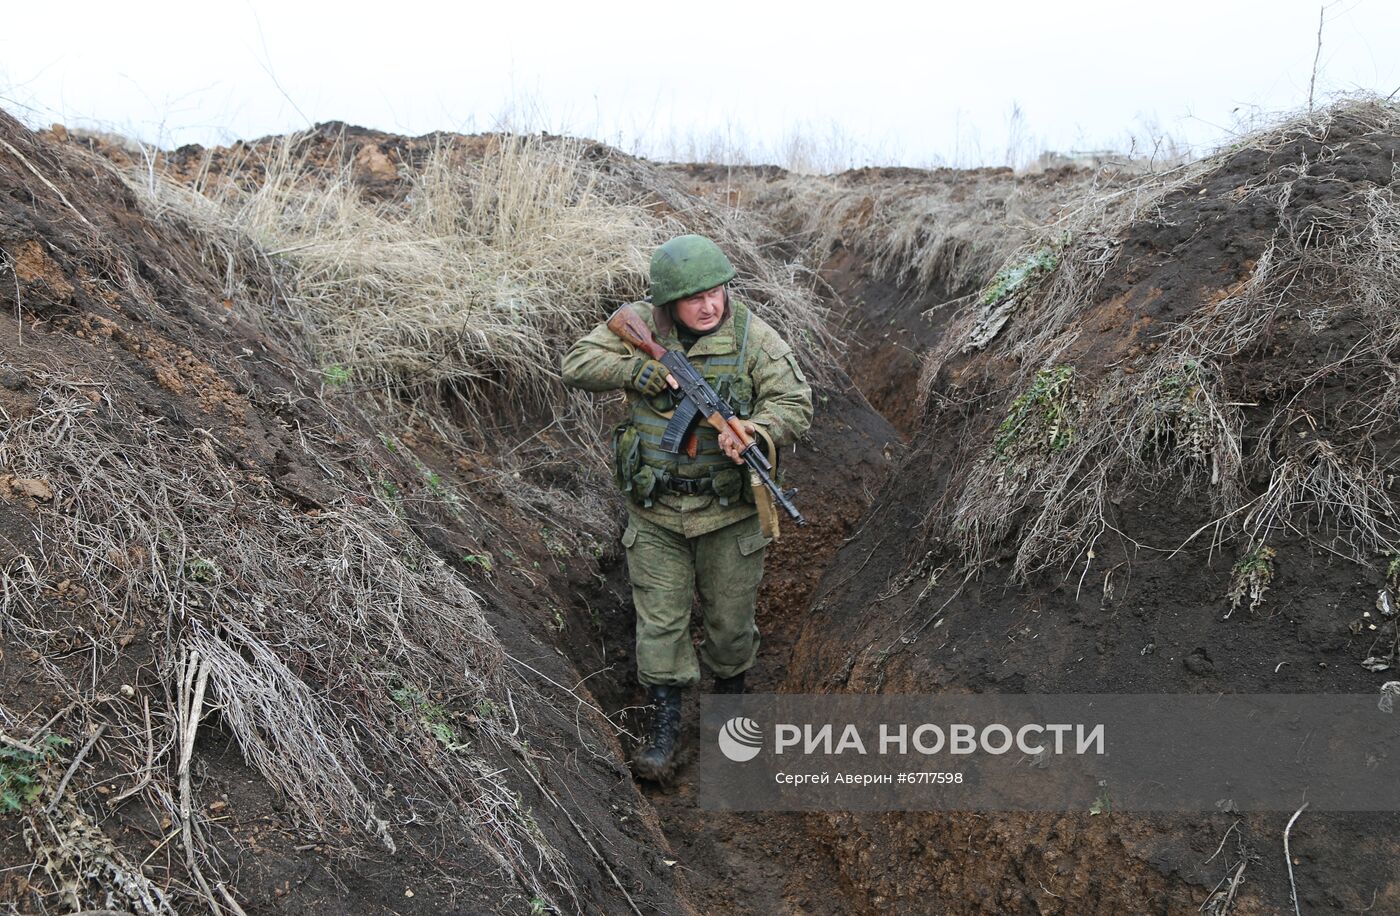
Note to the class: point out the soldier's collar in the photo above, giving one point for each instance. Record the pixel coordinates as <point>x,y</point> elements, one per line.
<point>666,325</point>
<point>720,340</point>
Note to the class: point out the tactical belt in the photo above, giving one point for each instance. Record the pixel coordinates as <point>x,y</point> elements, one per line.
<point>690,486</point>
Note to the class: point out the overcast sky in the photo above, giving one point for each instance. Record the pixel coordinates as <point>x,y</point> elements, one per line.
<point>914,84</point>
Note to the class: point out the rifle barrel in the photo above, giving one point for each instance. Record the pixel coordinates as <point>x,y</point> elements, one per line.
<point>779,496</point>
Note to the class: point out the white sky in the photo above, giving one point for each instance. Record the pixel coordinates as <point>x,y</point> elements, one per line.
<point>896,82</point>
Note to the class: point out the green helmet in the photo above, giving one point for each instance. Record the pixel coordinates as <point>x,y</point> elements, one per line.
<point>686,265</point>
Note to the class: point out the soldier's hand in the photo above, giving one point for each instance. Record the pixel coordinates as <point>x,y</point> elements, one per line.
<point>650,378</point>
<point>731,444</point>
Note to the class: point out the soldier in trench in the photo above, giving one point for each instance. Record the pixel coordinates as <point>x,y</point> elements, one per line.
<point>693,526</point>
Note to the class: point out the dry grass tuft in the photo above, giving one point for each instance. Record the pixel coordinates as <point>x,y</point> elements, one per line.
<point>1174,416</point>
<point>477,279</point>
<point>482,269</point>
<point>292,631</point>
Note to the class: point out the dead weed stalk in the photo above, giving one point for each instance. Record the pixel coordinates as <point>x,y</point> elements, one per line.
<point>287,629</point>
<point>478,276</point>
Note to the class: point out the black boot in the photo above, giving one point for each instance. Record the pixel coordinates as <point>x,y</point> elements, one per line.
<point>733,684</point>
<point>655,759</point>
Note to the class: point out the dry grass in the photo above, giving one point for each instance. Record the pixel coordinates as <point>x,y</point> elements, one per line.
<point>1174,417</point>
<point>942,232</point>
<point>295,632</point>
<point>478,278</point>
<point>449,306</point>
<point>483,269</point>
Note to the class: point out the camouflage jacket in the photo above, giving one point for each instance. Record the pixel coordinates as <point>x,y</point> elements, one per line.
<point>781,404</point>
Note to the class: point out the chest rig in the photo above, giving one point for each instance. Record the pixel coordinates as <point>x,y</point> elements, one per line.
<point>644,470</point>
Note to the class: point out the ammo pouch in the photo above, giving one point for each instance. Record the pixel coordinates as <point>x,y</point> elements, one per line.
<point>631,476</point>
<point>728,484</point>
<point>639,481</point>
<point>627,455</point>
<point>643,482</point>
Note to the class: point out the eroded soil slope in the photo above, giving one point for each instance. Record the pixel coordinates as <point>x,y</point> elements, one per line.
<point>1198,400</point>
<point>227,559</point>
<point>193,523</point>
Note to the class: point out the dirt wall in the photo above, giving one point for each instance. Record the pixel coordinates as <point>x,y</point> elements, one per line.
<point>1140,605</point>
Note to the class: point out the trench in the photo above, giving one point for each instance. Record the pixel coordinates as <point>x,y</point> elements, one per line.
<point>1148,620</point>
<point>773,862</point>
<point>567,596</point>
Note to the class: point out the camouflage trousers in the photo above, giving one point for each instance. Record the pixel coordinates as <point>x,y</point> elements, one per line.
<point>668,570</point>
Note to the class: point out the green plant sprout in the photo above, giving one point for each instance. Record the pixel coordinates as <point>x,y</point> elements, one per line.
<point>1011,279</point>
<point>1041,413</point>
<point>336,374</point>
<point>20,783</point>
<point>478,559</point>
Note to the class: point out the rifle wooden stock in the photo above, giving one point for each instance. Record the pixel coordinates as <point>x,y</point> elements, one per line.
<point>626,324</point>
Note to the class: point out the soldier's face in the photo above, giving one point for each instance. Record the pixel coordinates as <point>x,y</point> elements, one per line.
<point>702,311</point>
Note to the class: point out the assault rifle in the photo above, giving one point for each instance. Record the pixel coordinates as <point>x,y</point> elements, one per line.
<point>699,401</point>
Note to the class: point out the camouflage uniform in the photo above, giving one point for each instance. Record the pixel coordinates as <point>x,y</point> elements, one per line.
<point>681,543</point>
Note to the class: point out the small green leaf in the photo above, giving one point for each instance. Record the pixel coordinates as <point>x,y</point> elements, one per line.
<point>336,374</point>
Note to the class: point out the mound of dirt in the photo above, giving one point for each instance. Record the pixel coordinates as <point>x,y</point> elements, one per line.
<point>1157,460</point>
<point>252,648</point>
<point>274,638</point>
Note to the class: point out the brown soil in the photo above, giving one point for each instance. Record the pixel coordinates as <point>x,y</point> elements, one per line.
<point>102,298</point>
<point>890,327</point>
<point>1141,621</point>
